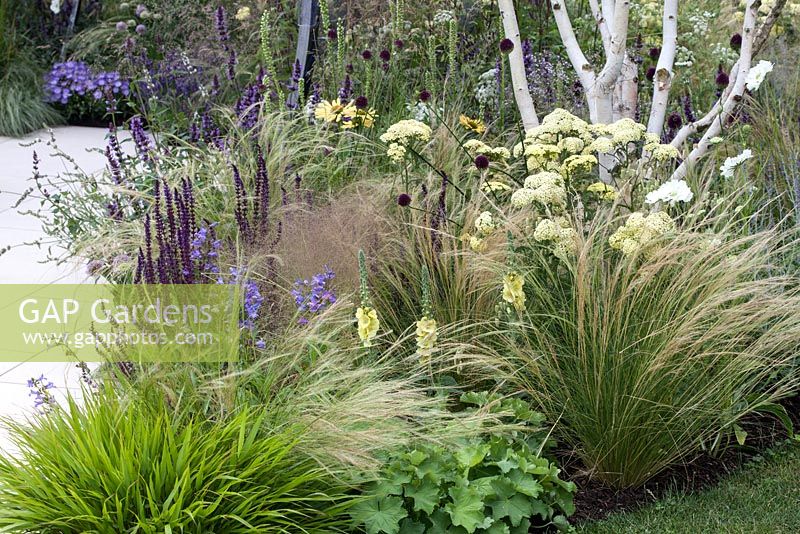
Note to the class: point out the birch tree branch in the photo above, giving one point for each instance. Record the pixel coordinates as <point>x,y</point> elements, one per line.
<point>576,56</point>
<point>760,40</point>
<point>519,79</point>
<point>600,18</point>
<point>737,87</point>
<point>662,81</point>
<point>619,36</point>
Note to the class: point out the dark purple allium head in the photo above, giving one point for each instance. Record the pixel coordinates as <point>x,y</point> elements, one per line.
<point>385,55</point>
<point>674,121</point>
<point>140,29</point>
<point>332,34</point>
<point>722,78</point>
<point>404,200</point>
<point>399,44</point>
<point>482,162</point>
<point>366,55</point>
<point>424,95</point>
<point>650,74</point>
<point>361,102</point>
<point>736,41</point>
<point>506,46</point>
<point>654,53</point>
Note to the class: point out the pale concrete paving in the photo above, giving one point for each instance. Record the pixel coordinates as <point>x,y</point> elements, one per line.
<point>26,264</point>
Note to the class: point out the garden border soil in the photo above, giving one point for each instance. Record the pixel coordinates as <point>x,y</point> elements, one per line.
<point>595,501</point>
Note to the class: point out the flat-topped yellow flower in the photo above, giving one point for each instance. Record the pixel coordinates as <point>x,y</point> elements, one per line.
<point>512,290</point>
<point>639,230</point>
<point>473,125</point>
<point>603,191</point>
<point>368,324</point>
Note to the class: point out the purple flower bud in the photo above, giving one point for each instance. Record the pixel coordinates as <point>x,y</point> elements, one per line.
<point>404,200</point>
<point>654,53</point>
<point>722,79</point>
<point>366,55</point>
<point>399,44</point>
<point>736,41</point>
<point>332,34</point>
<point>506,46</point>
<point>424,95</point>
<point>361,102</point>
<point>650,74</point>
<point>385,55</point>
<point>674,121</point>
<point>482,162</point>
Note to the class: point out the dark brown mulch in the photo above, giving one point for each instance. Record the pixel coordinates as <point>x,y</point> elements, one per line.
<point>595,500</point>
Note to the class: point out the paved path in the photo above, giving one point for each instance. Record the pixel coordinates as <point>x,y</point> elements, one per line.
<point>23,264</point>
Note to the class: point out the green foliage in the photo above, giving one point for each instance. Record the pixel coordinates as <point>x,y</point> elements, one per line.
<point>22,106</point>
<point>648,360</point>
<point>121,465</point>
<point>495,483</point>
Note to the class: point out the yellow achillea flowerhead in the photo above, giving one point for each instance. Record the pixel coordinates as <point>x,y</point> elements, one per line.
<point>547,188</point>
<point>603,191</point>
<point>512,290</point>
<point>426,336</point>
<point>560,232</point>
<point>368,324</point>
<point>661,152</point>
<point>485,223</point>
<point>243,13</point>
<point>579,163</point>
<point>473,125</point>
<point>476,147</point>
<point>639,230</point>
<point>496,186</point>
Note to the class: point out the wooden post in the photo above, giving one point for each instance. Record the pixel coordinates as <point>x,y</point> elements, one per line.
<point>308,24</point>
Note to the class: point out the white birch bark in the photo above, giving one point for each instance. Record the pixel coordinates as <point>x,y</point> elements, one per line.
<point>519,79</point>
<point>662,81</point>
<point>737,87</point>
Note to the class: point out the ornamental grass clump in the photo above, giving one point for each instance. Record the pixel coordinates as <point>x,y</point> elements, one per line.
<point>121,465</point>
<point>650,357</point>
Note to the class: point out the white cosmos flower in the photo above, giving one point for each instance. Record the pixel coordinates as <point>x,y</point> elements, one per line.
<point>731,164</point>
<point>757,74</point>
<point>673,191</point>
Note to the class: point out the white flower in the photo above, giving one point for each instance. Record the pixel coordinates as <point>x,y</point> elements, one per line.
<point>757,74</point>
<point>485,224</point>
<point>731,164</point>
<point>55,6</point>
<point>673,191</point>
